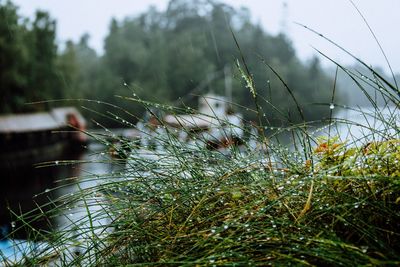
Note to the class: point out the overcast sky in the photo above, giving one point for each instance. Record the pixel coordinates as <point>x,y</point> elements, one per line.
<point>336,19</point>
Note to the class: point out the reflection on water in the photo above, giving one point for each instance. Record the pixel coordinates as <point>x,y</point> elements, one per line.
<point>80,220</point>
<point>25,189</point>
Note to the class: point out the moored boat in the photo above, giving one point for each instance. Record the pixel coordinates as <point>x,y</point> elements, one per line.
<point>31,138</point>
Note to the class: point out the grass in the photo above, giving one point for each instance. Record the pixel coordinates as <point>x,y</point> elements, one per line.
<point>321,200</point>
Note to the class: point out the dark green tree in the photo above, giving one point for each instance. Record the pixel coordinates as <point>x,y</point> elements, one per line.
<point>13,59</point>
<point>42,77</point>
<point>69,72</point>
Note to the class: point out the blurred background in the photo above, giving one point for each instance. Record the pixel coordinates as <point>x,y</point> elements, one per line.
<point>172,51</point>
<point>55,55</point>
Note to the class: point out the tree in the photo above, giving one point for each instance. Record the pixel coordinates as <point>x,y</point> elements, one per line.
<point>13,59</point>
<point>43,81</point>
<point>161,56</point>
<point>68,72</point>
<point>171,54</point>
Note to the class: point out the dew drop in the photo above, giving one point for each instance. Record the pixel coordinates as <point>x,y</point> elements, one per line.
<point>331,106</point>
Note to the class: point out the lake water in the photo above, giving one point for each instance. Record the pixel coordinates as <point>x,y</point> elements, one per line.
<point>26,188</point>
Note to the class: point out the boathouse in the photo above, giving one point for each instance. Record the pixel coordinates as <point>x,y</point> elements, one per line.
<point>31,136</point>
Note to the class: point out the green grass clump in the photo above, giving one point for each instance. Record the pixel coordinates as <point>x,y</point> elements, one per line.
<point>247,210</point>
<point>330,202</point>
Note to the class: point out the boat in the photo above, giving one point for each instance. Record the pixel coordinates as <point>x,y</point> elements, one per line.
<point>215,124</point>
<point>31,138</point>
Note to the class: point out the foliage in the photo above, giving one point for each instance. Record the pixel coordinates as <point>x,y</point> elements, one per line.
<point>12,58</point>
<point>168,57</point>
<point>153,51</point>
<point>28,51</point>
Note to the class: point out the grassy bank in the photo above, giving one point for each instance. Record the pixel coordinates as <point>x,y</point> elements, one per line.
<point>318,200</point>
